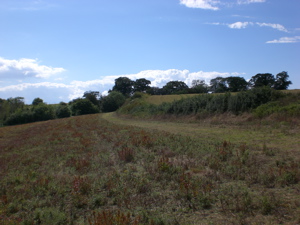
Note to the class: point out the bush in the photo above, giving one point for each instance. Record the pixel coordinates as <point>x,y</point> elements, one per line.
<point>63,111</point>
<point>83,107</point>
<point>113,101</point>
<point>20,117</point>
<point>43,112</point>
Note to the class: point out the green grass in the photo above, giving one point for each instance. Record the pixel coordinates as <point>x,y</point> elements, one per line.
<point>102,169</point>
<point>159,99</point>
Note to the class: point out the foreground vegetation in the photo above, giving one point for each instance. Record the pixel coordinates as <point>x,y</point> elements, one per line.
<point>87,170</point>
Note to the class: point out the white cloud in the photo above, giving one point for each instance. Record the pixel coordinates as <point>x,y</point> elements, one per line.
<point>239,25</point>
<point>250,1</point>
<point>285,40</point>
<point>22,68</point>
<point>56,92</point>
<point>274,26</point>
<point>214,4</point>
<point>201,4</point>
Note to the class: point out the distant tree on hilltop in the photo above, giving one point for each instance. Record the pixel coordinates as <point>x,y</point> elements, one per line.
<point>123,85</point>
<point>37,101</point>
<point>282,82</point>
<point>261,80</point>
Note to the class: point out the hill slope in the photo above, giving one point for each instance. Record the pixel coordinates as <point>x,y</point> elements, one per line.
<point>88,170</point>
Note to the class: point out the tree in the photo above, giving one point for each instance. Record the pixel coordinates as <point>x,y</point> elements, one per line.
<point>282,82</point>
<point>63,110</point>
<point>235,84</point>
<point>43,112</point>
<point>15,104</point>
<point>156,91</point>
<point>141,85</point>
<point>123,85</point>
<point>173,87</point>
<point>93,96</point>
<point>37,101</point>
<point>199,86</point>
<point>261,80</point>
<point>218,85</point>
<point>112,102</point>
<point>83,106</point>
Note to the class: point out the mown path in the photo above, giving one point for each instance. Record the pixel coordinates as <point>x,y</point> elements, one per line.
<point>283,138</point>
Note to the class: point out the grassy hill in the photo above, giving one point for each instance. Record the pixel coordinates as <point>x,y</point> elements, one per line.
<point>159,99</point>
<point>100,169</point>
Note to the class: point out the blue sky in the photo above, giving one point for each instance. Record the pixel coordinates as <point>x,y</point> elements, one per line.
<point>58,49</point>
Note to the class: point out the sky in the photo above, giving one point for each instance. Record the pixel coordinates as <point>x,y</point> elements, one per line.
<point>58,49</point>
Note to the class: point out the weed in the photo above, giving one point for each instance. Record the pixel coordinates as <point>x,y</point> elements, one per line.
<point>126,154</point>
<point>108,217</point>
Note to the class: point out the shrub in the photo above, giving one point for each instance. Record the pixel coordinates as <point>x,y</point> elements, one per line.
<point>43,112</point>
<point>83,107</point>
<point>113,101</point>
<point>20,117</point>
<point>63,111</point>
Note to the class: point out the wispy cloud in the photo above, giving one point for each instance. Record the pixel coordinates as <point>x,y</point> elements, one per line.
<point>24,68</point>
<point>274,26</point>
<point>214,4</point>
<point>241,25</point>
<point>249,1</point>
<point>201,4</point>
<point>285,40</point>
<point>56,92</point>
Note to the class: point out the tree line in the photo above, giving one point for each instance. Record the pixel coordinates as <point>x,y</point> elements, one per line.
<point>127,86</point>
<point>14,111</point>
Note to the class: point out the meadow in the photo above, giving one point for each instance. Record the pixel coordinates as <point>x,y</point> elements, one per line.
<point>103,169</point>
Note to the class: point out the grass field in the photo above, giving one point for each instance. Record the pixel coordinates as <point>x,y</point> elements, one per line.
<point>103,169</point>
<point>159,99</point>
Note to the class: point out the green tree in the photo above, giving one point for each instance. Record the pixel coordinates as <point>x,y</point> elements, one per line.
<point>199,86</point>
<point>123,85</point>
<point>282,82</point>
<point>63,110</point>
<point>173,87</point>
<point>156,91</point>
<point>261,80</point>
<point>141,85</point>
<point>235,84</point>
<point>218,85</point>
<point>4,110</point>
<point>82,107</point>
<point>113,101</point>
<point>37,101</point>
<point>93,96</point>
<point>15,104</point>
<point>43,112</point>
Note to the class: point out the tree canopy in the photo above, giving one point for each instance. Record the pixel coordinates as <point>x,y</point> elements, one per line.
<point>37,101</point>
<point>123,85</point>
<point>282,82</point>
<point>173,87</point>
<point>261,80</point>
<point>235,84</point>
<point>112,102</point>
<point>141,85</point>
